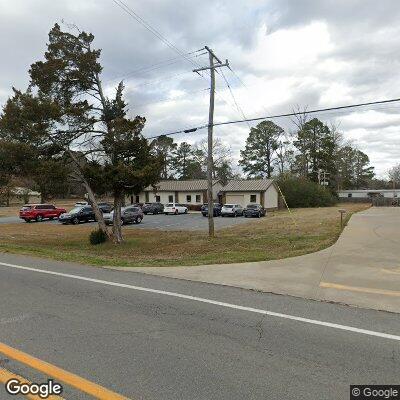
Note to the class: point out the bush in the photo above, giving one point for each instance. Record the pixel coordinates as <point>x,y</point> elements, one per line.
<point>300,192</point>
<point>97,237</point>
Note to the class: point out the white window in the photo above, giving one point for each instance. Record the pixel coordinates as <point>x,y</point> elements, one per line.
<point>188,198</point>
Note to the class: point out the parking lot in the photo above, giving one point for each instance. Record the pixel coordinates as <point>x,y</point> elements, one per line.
<point>186,222</point>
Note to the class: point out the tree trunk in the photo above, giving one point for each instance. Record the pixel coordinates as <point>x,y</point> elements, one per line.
<point>117,222</point>
<point>97,212</point>
<point>91,197</point>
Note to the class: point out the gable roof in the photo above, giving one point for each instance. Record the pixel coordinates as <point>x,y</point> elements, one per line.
<point>251,185</point>
<point>180,186</point>
<point>20,191</point>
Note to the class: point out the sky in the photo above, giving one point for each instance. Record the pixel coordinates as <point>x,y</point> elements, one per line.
<point>285,54</point>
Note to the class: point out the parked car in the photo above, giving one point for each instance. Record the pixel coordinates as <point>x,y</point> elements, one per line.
<point>78,214</point>
<point>175,208</point>
<point>39,212</point>
<point>129,215</point>
<point>105,207</point>
<point>231,210</point>
<point>153,208</point>
<point>81,203</point>
<point>254,210</point>
<point>216,209</point>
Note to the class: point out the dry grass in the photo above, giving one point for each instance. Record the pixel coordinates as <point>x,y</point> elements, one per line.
<point>274,237</point>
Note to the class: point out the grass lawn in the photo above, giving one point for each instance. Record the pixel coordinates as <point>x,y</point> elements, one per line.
<point>279,235</point>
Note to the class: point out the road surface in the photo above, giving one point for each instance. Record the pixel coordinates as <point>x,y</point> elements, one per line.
<point>150,337</point>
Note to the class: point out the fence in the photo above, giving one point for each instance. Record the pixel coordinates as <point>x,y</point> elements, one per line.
<point>385,202</point>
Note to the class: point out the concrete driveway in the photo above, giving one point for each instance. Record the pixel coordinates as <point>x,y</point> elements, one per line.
<point>362,268</point>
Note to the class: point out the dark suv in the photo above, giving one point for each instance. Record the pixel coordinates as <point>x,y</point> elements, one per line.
<point>129,215</point>
<point>105,207</point>
<point>153,208</point>
<point>78,214</point>
<point>216,209</point>
<point>254,210</point>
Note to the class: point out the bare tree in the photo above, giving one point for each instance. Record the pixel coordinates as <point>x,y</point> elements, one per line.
<point>394,174</point>
<point>222,154</point>
<point>299,120</point>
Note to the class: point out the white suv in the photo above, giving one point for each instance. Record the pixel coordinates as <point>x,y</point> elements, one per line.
<point>232,210</point>
<point>175,208</point>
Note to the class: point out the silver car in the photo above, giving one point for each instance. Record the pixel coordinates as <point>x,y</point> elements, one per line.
<point>231,210</point>
<point>129,215</point>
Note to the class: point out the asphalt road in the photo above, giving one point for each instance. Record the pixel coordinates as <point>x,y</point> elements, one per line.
<point>157,345</point>
<point>185,222</point>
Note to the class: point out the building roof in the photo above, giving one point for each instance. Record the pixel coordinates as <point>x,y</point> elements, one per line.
<point>180,186</point>
<point>250,185</point>
<point>20,191</point>
<point>368,190</point>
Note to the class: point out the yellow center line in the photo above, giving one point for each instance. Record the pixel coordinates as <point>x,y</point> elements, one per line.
<point>59,374</point>
<point>329,285</point>
<point>6,375</point>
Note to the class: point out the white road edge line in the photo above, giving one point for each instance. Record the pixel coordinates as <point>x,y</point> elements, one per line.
<point>209,301</point>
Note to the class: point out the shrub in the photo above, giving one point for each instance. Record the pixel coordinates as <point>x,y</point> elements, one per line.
<point>300,192</point>
<point>97,237</point>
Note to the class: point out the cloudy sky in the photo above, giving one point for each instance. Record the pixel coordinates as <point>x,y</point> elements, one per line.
<point>286,53</point>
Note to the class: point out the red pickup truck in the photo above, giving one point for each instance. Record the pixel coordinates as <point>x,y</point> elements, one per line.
<point>38,212</point>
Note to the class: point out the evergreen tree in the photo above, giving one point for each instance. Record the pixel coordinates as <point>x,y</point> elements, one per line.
<point>185,164</point>
<point>316,150</point>
<point>66,112</point>
<point>164,146</point>
<point>259,156</point>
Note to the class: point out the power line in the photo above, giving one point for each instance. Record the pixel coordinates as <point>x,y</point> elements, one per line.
<point>167,99</point>
<point>158,80</point>
<point>153,67</point>
<point>159,35</point>
<point>151,29</point>
<point>292,114</point>
<point>233,96</point>
<point>245,86</point>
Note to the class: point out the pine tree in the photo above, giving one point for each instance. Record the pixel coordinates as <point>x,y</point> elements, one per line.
<point>259,156</point>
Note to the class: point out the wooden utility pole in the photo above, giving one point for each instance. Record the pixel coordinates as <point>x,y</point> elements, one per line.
<point>210,162</point>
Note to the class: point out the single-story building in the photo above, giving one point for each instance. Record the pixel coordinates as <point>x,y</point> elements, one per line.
<point>190,192</point>
<point>19,195</point>
<point>360,195</point>
<point>243,192</point>
<point>194,193</point>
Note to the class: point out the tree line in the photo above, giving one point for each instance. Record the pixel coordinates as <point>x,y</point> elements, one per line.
<point>314,151</point>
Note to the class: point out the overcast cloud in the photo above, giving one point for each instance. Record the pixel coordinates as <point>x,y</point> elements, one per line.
<point>318,53</point>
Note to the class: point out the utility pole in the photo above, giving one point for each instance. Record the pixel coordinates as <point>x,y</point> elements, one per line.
<point>215,62</point>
